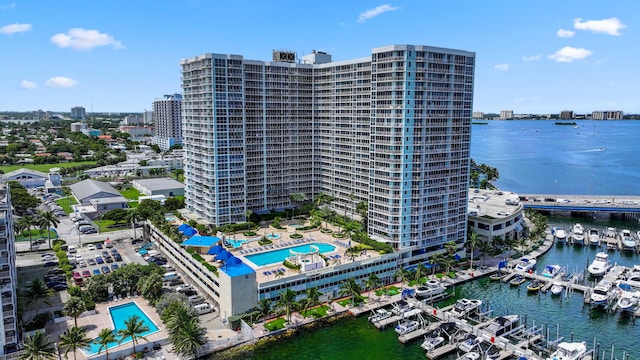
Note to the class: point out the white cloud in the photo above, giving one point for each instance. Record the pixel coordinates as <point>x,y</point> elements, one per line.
<point>9,6</point>
<point>26,84</point>
<point>568,54</point>
<point>501,67</point>
<point>565,33</point>
<point>611,26</point>
<point>61,81</point>
<point>83,39</point>
<point>15,28</point>
<point>532,58</point>
<point>369,14</point>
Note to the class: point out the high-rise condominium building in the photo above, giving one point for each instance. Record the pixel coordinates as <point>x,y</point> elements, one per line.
<point>506,114</point>
<point>8,276</point>
<point>391,130</point>
<point>606,115</point>
<point>78,113</point>
<point>167,121</point>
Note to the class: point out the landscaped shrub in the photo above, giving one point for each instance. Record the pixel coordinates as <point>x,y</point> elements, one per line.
<point>291,265</point>
<point>264,241</point>
<point>296,236</point>
<point>249,233</point>
<point>339,235</point>
<point>326,231</point>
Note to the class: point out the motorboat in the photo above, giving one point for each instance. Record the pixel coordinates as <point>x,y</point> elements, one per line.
<point>470,343</point>
<point>406,326</point>
<point>569,351</point>
<point>432,342</point>
<point>502,324</point>
<point>402,307</point>
<point>525,265</point>
<point>535,285</point>
<point>464,307</point>
<point>600,264</point>
<point>498,275</point>
<point>430,289</point>
<point>551,271</point>
<point>628,301</point>
<point>627,239</point>
<point>561,235</point>
<point>577,234</point>
<point>557,288</point>
<point>470,356</point>
<point>611,234</point>
<point>379,315</point>
<point>594,237</point>
<point>602,293</point>
<point>517,280</point>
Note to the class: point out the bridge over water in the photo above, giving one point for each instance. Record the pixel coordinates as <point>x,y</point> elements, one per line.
<point>622,204</point>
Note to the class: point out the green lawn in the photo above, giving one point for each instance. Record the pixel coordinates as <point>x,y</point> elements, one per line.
<point>316,312</point>
<point>130,193</point>
<point>24,236</point>
<point>276,324</point>
<point>390,290</point>
<point>44,167</point>
<point>66,203</point>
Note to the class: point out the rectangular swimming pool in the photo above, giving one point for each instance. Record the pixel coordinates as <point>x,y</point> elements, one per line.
<point>121,313</point>
<point>278,256</point>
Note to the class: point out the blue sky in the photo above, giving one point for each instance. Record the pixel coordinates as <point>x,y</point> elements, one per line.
<point>532,56</point>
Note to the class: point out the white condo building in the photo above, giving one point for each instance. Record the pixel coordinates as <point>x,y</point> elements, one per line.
<point>8,276</point>
<point>167,121</point>
<point>391,129</point>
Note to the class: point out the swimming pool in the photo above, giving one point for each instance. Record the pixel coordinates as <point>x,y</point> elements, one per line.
<point>236,243</point>
<point>273,236</point>
<point>119,314</point>
<point>278,256</point>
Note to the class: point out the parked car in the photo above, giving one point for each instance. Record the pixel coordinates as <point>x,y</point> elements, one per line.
<point>117,257</point>
<point>96,272</point>
<point>50,264</point>
<point>91,247</point>
<point>61,287</point>
<point>55,272</point>
<point>114,267</point>
<point>99,260</point>
<point>105,269</point>
<point>90,231</point>
<point>86,273</point>
<point>99,246</point>
<point>48,257</point>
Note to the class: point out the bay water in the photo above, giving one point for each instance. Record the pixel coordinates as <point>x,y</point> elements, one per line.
<point>532,156</point>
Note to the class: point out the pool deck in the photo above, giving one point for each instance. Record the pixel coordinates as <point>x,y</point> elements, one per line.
<point>252,247</point>
<point>102,319</point>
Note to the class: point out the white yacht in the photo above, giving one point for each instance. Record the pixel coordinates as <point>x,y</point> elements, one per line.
<point>525,265</point>
<point>561,235</point>
<point>470,343</point>
<point>432,342</point>
<point>611,233</point>
<point>502,324</point>
<point>627,239</point>
<point>557,288</point>
<point>628,301</point>
<point>600,264</point>
<point>470,356</point>
<point>569,351</point>
<point>602,293</point>
<point>402,307</point>
<point>465,307</point>
<point>432,288</point>
<point>406,326</point>
<point>379,315</point>
<point>551,271</point>
<point>594,237</point>
<point>577,234</point>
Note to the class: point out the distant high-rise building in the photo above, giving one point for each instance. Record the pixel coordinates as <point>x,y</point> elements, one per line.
<point>390,130</point>
<point>132,120</point>
<point>167,121</point>
<point>506,114</point>
<point>606,115</point>
<point>78,113</point>
<point>478,115</point>
<point>147,117</point>
<point>567,114</point>
<point>78,127</point>
<point>8,276</point>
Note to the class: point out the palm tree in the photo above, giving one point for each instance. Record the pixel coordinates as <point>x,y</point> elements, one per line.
<point>404,275</point>
<point>21,225</point>
<point>312,296</point>
<point>26,223</point>
<point>105,337</point>
<point>134,327</point>
<point>287,302</point>
<point>188,338</point>
<point>484,248</point>
<point>451,248</point>
<point>296,199</point>
<point>264,307</point>
<point>373,282</point>
<point>133,216</point>
<point>421,270</point>
<point>38,347</point>
<point>351,288</point>
<point>248,214</point>
<point>37,292</point>
<point>48,220</point>
<point>73,340</point>
<point>437,260</point>
<point>150,287</point>
<point>74,307</point>
<point>473,242</point>
<point>352,197</point>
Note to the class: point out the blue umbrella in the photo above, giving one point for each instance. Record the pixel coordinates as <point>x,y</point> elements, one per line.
<point>215,250</point>
<point>233,261</point>
<point>189,231</point>
<point>224,255</point>
<point>183,227</point>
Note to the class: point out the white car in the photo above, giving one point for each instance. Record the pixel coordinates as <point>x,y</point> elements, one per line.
<point>82,263</point>
<point>48,257</point>
<point>78,257</point>
<point>91,247</point>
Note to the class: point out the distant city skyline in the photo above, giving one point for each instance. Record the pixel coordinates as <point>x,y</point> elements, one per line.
<point>580,56</point>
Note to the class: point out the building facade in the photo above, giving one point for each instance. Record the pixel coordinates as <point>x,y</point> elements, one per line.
<point>567,114</point>
<point>506,114</point>
<point>167,121</point>
<point>8,276</point>
<point>391,130</point>
<point>78,113</point>
<point>606,115</point>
